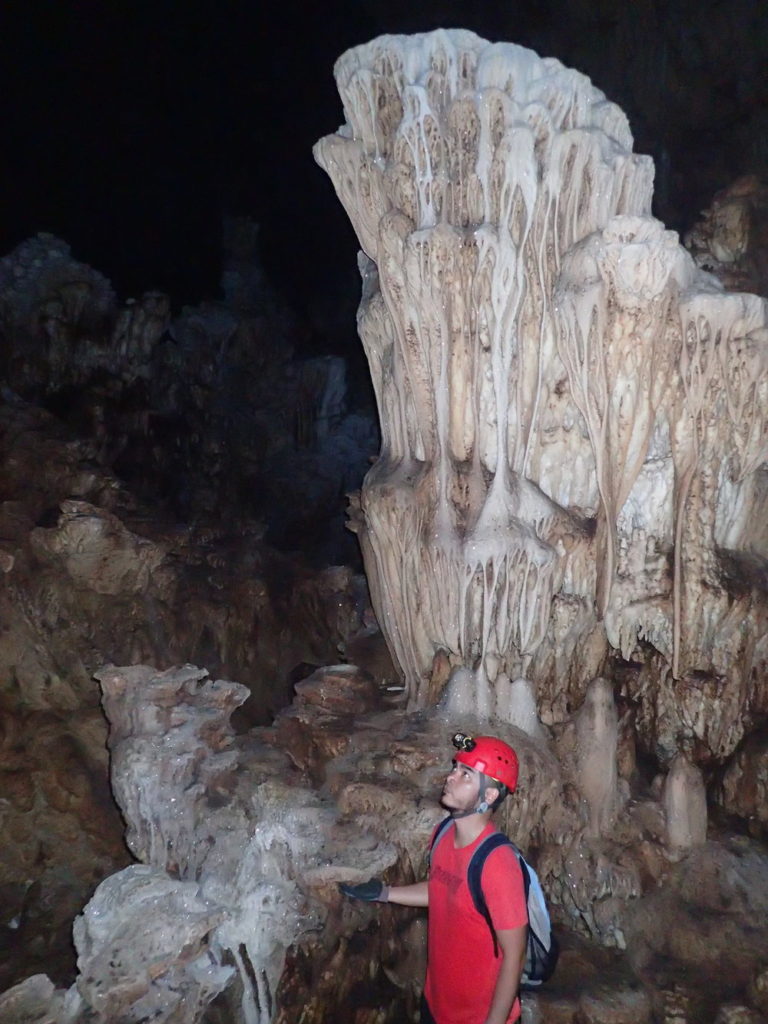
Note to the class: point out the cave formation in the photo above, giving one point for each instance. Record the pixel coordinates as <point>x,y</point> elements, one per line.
<point>573,416</point>
<point>563,535</point>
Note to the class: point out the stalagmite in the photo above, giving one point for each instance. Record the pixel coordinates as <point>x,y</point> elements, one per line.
<point>468,170</point>
<point>517,705</point>
<point>460,700</point>
<point>597,729</point>
<point>573,415</point>
<point>685,805</point>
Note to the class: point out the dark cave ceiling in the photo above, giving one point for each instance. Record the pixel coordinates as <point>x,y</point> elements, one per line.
<point>130,129</point>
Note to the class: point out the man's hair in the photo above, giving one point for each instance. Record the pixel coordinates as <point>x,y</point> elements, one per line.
<point>503,793</point>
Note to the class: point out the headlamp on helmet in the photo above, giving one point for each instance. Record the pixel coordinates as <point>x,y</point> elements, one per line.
<point>463,742</point>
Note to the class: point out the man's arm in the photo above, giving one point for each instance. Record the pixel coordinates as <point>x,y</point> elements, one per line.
<point>416,895</point>
<point>512,942</point>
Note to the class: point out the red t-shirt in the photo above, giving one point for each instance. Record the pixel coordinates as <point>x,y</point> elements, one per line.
<point>461,967</point>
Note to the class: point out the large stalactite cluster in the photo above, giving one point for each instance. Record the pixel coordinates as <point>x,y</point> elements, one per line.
<point>573,416</point>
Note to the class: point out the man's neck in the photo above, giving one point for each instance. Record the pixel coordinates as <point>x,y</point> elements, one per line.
<point>469,828</point>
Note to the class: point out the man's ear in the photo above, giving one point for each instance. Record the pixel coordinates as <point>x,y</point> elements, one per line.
<point>491,795</point>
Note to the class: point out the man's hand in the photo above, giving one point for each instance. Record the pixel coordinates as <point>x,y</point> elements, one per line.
<point>372,891</point>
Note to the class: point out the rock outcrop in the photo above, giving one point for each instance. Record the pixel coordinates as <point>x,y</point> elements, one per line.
<point>232,911</point>
<point>731,238</point>
<point>91,577</point>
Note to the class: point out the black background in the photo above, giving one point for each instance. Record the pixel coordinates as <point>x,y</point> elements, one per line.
<point>130,129</point>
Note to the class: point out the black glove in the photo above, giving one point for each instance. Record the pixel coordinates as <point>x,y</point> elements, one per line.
<point>372,891</point>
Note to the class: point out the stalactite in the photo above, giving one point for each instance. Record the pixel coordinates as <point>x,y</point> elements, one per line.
<point>468,170</point>
<point>573,415</point>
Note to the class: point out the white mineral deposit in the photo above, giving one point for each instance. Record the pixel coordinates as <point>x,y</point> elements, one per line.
<point>573,415</point>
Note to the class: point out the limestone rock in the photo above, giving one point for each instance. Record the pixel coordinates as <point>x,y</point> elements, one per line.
<point>596,754</point>
<point>710,915</point>
<point>574,416</point>
<point>590,984</point>
<point>744,788</point>
<point>685,805</point>
<point>97,578</point>
<point>731,238</point>
<point>34,1001</point>
<point>235,820</point>
<point>97,551</point>
<point>142,948</point>
<point>242,856</point>
<point>339,688</point>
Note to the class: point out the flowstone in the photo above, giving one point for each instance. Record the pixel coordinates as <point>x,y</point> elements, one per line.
<point>573,415</point>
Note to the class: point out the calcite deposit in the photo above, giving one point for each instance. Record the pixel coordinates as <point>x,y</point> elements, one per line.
<point>573,415</point>
<point>232,911</point>
<point>91,577</point>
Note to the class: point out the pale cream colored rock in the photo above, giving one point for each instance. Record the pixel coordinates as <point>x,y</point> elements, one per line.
<point>596,754</point>
<point>516,704</point>
<point>451,169</point>
<point>34,1001</point>
<point>685,806</point>
<point>735,1013</point>
<point>573,415</point>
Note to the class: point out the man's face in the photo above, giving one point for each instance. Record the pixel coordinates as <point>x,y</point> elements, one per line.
<point>461,790</point>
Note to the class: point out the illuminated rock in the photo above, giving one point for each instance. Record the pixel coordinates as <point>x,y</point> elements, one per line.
<point>573,415</point>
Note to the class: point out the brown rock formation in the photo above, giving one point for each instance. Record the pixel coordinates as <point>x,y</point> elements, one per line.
<point>91,578</point>
<point>731,239</point>
<point>234,912</point>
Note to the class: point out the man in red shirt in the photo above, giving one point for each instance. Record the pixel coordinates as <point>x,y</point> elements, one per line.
<point>469,980</point>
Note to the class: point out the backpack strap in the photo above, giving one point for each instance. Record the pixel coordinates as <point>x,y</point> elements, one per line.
<point>439,832</point>
<point>475,872</point>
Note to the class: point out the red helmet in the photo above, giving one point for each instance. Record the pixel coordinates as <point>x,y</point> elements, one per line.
<point>490,756</point>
